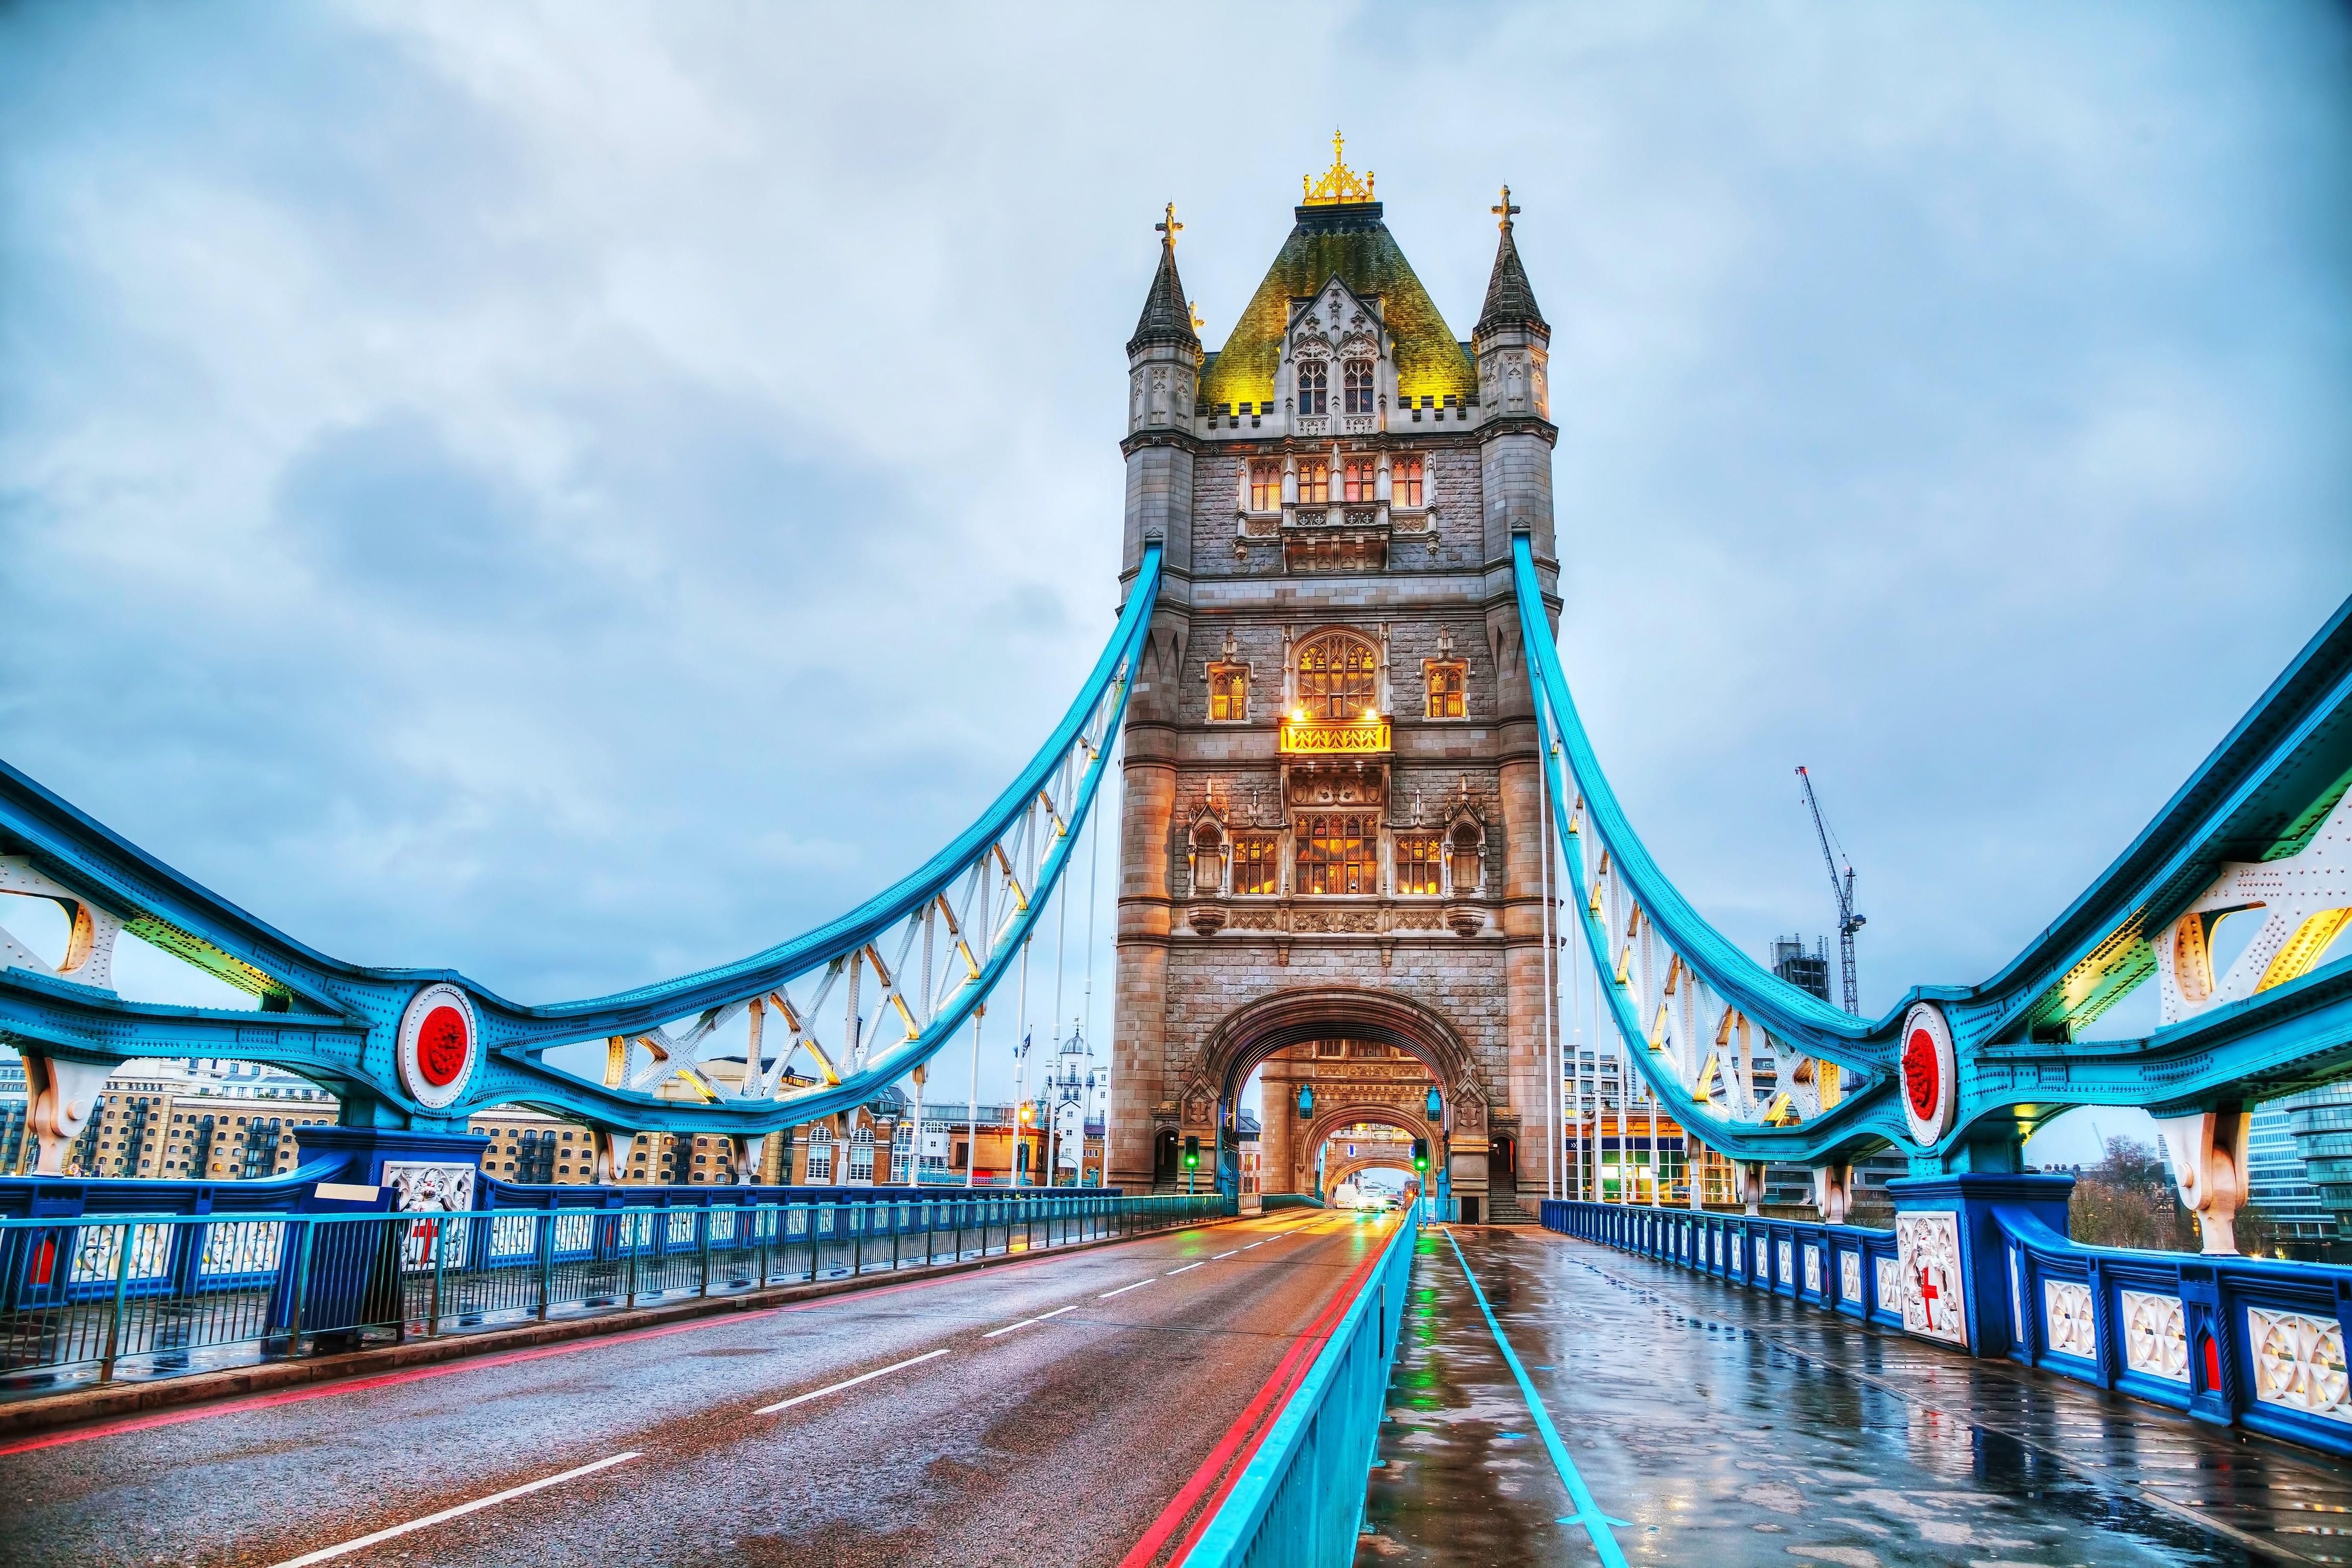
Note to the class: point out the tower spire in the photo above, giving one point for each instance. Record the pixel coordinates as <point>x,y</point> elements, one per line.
<point>1510,301</point>
<point>1167,314</point>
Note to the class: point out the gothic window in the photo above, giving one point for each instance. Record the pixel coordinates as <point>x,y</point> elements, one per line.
<point>1356,476</point>
<point>1404,481</point>
<point>1228,693</point>
<point>1339,676</point>
<point>1446,679</point>
<point>1356,387</point>
<point>1314,386</point>
<point>861,1155</point>
<point>1257,866</point>
<point>1464,855</point>
<point>1417,864</point>
<point>1265,486</point>
<point>1314,481</point>
<point>1208,860</point>
<point>820,1156</point>
<point>1336,853</point>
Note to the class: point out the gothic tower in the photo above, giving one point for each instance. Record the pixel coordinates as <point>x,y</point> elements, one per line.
<point>1330,851</point>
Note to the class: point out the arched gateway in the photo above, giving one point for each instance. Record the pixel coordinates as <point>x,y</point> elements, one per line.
<point>1331,853</point>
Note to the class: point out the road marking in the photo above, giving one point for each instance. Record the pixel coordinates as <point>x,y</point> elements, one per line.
<point>849,1383</point>
<point>1026,1321</point>
<point>1253,1244</point>
<point>1122,1289</point>
<point>1186,1269</point>
<point>1222,1256</point>
<point>326,1553</point>
<point>1587,1513</point>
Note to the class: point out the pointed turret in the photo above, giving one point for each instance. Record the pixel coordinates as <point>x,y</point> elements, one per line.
<point>1167,319</point>
<point>1510,301</point>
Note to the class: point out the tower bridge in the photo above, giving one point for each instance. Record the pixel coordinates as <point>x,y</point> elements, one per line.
<point>1362,841</point>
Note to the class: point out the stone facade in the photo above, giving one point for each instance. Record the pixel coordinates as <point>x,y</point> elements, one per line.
<point>1335,501</point>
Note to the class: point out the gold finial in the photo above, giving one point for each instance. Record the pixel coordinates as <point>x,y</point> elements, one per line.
<point>1168,227</point>
<point>1338,183</point>
<point>1505,210</point>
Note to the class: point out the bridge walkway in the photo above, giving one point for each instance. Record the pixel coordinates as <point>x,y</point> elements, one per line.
<point>1036,1412</point>
<point>1724,1428</point>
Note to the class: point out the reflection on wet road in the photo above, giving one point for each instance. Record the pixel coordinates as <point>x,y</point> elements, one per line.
<point>1716,1427</point>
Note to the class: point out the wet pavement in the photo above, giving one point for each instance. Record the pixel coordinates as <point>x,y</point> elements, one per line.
<point>1038,1411</point>
<point>1711,1425</point>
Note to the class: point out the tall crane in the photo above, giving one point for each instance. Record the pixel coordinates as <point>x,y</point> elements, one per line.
<point>1842,890</point>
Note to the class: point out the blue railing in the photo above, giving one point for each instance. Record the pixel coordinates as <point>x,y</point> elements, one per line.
<point>177,1289</point>
<point>1301,1496</point>
<point>2242,1342</point>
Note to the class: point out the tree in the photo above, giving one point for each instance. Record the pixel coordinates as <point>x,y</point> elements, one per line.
<point>2127,1200</point>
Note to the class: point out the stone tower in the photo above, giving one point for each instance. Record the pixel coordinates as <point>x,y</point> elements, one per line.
<point>1330,852</point>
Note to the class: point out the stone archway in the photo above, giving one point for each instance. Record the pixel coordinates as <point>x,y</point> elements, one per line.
<point>1328,1122</point>
<point>1348,1170</point>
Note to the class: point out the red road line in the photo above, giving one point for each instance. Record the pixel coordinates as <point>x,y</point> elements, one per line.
<point>1248,1431</point>
<point>476,1363</point>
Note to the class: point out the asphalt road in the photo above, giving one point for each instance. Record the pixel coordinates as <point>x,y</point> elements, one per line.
<point>1711,1424</point>
<point>1057,1410</point>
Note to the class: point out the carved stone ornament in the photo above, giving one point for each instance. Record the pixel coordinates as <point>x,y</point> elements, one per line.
<point>438,1044</point>
<point>1206,918</point>
<point>429,1187</point>
<point>1198,1105</point>
<point>1468,919</point>
<point>1928,1245</point>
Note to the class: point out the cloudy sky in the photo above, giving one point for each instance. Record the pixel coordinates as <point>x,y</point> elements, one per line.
<point>577,492</point>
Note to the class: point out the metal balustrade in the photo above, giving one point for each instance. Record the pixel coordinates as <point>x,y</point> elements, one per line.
<point>1300,1498</point>
<point>168,1291</point>
<point>2242,1342</point>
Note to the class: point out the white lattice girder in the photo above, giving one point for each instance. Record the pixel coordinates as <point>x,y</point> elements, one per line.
<point>2304,900</point>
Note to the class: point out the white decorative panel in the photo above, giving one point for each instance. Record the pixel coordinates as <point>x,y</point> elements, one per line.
<point>2155,1339</point>
<point>2069,1326</point>
<point>1934,1299</point>
<point>1735,1255</point>
<point>1849,1276</point>
<point>1787,1266</point>
<point>1812,1271</point>
<point>1718,1249</point>
<point>429,1187</point>
<point>1890,1285</point>
<point>2299,1363</point>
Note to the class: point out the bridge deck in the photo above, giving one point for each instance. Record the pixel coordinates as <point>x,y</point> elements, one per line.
<point>1032,1438</point>
<point>1727,1428</point>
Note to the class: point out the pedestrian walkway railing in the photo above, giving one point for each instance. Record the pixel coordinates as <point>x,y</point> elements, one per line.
<point>1301,1497</point>
<point>162,1294</point>
<point>2245,1341</point>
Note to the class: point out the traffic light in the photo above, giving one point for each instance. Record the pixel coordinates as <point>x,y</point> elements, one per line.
<point>1191,1151</point>
<point>1421,1153</point>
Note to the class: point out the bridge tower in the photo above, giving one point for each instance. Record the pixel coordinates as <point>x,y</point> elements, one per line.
<point>1330,851</point>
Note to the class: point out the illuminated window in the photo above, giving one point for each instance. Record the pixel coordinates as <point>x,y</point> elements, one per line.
<point>1404,481</point>
<point>1265,486</point>
<point>1314,386</point>
<point>1314,480</point>
<point>1417,861</point>
<point>1339,676</point>
<point>1228,693</point>
<point>1257,866</point>
<point>1446,679</point>
<point>1336,852</point>
<point>1356,381</point>
<point>1356,479</point>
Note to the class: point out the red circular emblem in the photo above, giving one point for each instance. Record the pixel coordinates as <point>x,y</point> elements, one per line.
<point>441,1046</point>
<point>1921,1074</point>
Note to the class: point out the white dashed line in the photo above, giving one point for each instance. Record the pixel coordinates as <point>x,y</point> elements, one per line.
<point>1253,1244</point>
<point>327,1552</point>
<point>1122,1289</point>
<point>1186,1269</point>
<point>1222,1256</point>
<point>847,1382</point>
<point>1026,1321</point>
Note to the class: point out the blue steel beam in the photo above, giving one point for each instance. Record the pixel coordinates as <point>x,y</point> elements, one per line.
<point>2263,795</point>
<point>339,1022</point>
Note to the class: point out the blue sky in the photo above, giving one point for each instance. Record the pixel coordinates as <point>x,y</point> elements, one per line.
<point>580,493</point>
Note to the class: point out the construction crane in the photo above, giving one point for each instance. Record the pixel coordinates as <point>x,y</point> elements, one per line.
<point>1842,890</point>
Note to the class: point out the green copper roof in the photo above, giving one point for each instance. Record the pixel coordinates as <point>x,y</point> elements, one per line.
<point>1349,242</point>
